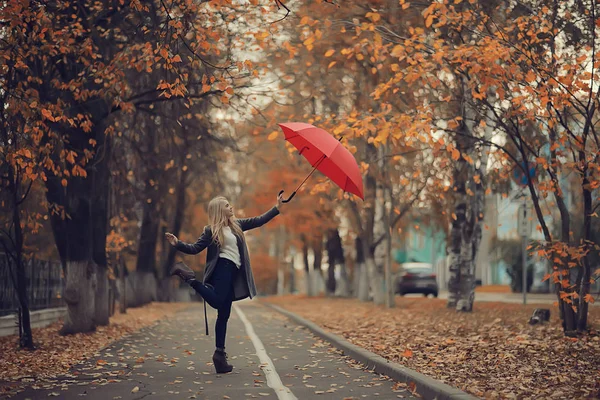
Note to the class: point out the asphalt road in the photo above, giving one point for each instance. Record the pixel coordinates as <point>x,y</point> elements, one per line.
<point>272,358</point>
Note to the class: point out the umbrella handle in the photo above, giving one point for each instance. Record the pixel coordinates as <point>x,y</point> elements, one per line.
<point>289,198</point>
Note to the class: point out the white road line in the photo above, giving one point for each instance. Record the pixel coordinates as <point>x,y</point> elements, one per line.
<point>273,379</point>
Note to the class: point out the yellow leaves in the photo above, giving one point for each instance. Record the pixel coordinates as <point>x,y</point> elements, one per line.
<point>164,53</point>
<point>530,77</point>
<point>589,298</point>
<point>373,16</point>
<point>25,153</point>
<point>338,130</point>
<point>273,135</point>
<point>305,20</point>
<point>565,296</point>
<point>331,64</point>
<point>429,20</point>
<point>468,158</point>
<point>455,154</point>
<point>477,179</point>
<point>79,171</point>
<point>454,217</point>
<point>260,36</point>
<point>360,57</point>
<point>47,115</point>
<point>176,59</point>
<point>397,51</point>
<point>206,88</point>
<point>407,353</point>
<point>329,53</point>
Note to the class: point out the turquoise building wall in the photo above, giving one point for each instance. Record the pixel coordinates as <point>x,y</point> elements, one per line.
<point>420,245</point>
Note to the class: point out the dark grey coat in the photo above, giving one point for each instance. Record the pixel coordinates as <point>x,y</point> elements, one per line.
<point>244,284</point>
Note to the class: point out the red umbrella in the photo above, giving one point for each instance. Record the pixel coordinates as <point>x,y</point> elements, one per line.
<point>325,153</point>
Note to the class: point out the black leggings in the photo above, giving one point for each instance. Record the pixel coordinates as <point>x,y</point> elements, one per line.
<point>220,296</point>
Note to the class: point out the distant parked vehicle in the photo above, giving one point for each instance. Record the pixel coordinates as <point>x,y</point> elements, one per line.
<point>417,278</point>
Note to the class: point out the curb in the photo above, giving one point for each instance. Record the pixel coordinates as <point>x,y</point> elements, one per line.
<point>427,387</point>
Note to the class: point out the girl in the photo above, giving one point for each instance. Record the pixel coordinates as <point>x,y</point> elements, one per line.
<point>228,274</point>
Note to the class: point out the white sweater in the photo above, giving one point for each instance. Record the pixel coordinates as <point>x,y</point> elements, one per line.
<point>229,249</point>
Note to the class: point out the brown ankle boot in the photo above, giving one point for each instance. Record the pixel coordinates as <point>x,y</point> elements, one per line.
<point>220,362</point>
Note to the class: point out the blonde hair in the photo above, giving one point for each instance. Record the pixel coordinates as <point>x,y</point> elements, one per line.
<point>217,220</point>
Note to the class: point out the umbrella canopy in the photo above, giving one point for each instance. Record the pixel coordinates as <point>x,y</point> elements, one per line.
<point>325,153</point>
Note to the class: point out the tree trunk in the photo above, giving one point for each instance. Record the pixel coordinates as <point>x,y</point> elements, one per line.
<point>566,312</point>
<point>335,251</point>
<point>376,256</point>
<point>463,251</point>
<point>343,286</point>
<point>318,280</point>
<point>465,235</point>
<point>25,334</point>
<point>146,271</point>
<point>330,285</point>
<point>80,296</point>
<point>389,286</point>
<point>80,233</point>
<point>102,301</point>
<point>307,275</point>
<point>584,285</point>
<point>292,277</point>
<point>365,221</point>
<point>146,260</point>
<point>123,279</point>
<point>279,252</point>
<point>332,257</point>
<point>100,181</point>
<point>176,227</point>
<point>361,274</point>
<point>376,279</point>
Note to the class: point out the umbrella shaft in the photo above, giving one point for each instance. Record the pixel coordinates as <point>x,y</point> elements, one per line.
<point>311,172</point>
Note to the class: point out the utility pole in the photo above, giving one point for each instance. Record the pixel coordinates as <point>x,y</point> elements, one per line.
<point>524,221</point>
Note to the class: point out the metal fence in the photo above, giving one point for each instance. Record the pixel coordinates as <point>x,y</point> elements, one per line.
<point>44,282</point>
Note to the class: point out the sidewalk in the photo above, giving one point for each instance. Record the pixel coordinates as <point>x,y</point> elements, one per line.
<point>272,359</point>
<point>517,298</point>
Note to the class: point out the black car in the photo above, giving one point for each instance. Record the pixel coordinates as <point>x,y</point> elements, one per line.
<point>417,280</point>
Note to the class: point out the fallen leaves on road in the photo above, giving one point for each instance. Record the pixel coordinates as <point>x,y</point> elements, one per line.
<point>55,354</point>
<point>492,352</point>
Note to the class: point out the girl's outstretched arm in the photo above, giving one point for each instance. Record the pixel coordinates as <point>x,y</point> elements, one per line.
<point>191,248</point>
<point>256,222</point>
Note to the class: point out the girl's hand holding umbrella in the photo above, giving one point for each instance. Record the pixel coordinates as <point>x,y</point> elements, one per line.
<point>279,201</point>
